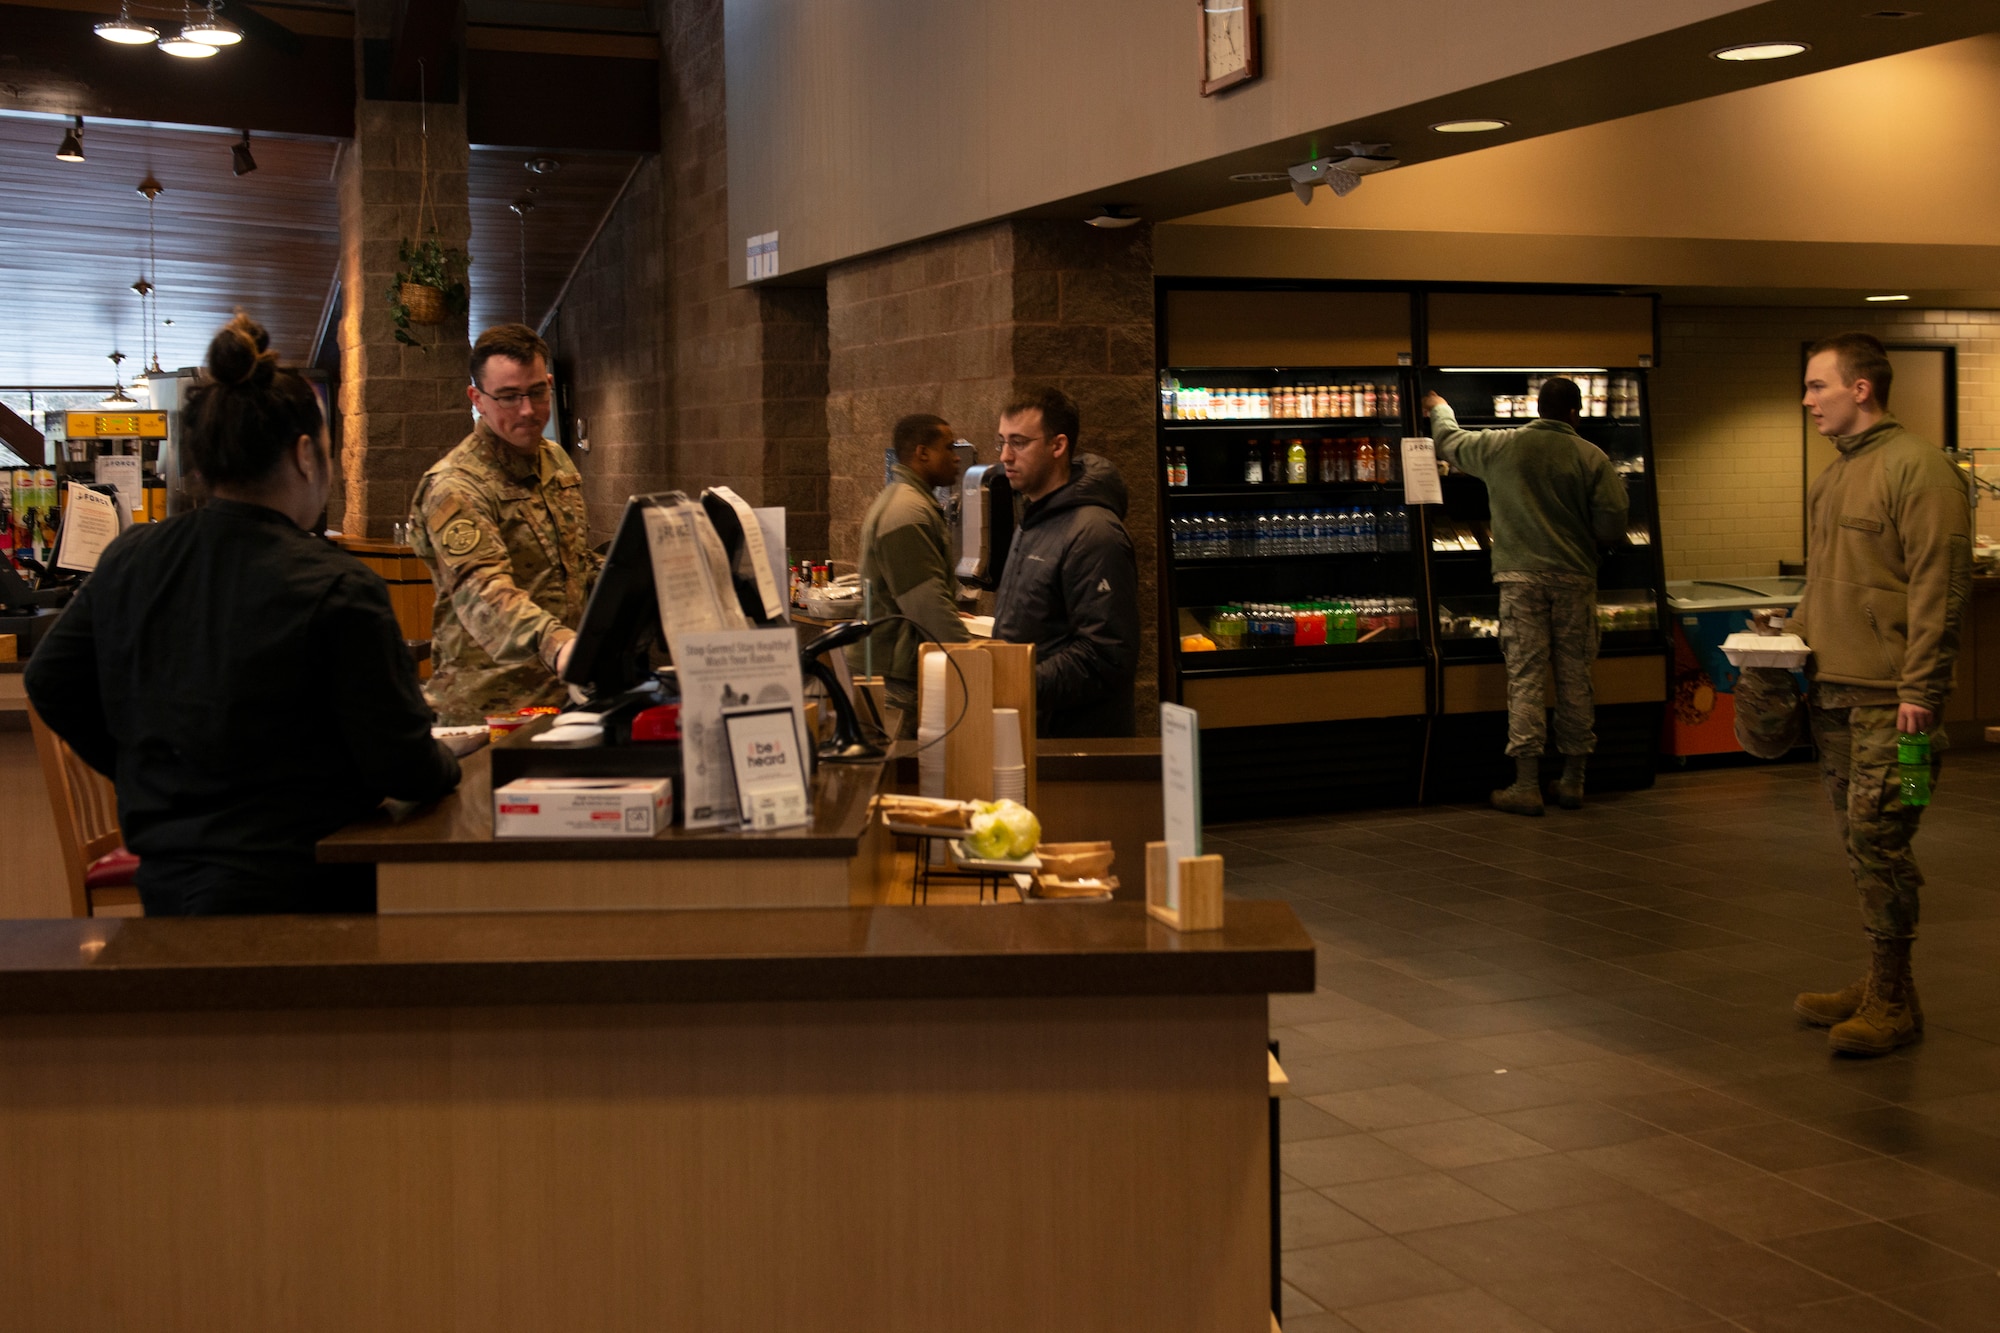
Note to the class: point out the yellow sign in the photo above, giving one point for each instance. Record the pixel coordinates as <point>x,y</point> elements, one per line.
<point>115,425</point>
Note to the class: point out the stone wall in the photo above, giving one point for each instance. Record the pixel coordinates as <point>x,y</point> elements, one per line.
<point>1730,435</point>
<point>401,407</point>
<point>959,324</point>
<point>609,341</point>
<point>683,381</point>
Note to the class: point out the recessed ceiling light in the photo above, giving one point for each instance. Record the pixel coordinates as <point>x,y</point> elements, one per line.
<point>543,166</point>
<point>1762,51</point>
<point>1468,126</point>
<point>1898,296</point>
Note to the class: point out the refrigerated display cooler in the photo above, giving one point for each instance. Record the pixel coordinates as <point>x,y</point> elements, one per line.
<point>1468,739</point>
<point>1701,703</point>
<point>1293,584</point>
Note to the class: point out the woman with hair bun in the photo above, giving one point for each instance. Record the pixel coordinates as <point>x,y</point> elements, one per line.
<point>242,680</point>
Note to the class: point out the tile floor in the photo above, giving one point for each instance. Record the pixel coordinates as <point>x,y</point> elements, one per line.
<point>1551,1080</point>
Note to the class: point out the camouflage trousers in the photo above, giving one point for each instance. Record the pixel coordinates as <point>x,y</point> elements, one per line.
<point>1549,628</point>
<point>1857,762</point>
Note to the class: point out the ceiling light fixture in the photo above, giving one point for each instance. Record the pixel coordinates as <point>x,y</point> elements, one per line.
<point>543,166</point>
<point>180,44</point>
<point>239,155</point>
<point>126,30</point>
<point>1112,217</point>
<point>1469,126</point>
<point>212,31</point>
<point>118,400</point>
<point>1342,170</point>
<point>1761,51</point>
<point>72,143</point>
<point>1898,296</point>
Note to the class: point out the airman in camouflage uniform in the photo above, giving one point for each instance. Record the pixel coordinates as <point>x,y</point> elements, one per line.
<point>1888,577</point>
<point>1555,498</point>
<point>503,530</point>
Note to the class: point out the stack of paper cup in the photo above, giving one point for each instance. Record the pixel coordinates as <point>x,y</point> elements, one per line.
<point>1010,769</point>
<point>930,726</point>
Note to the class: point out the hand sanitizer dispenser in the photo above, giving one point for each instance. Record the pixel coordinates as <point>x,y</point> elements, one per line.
<point>985,525</point>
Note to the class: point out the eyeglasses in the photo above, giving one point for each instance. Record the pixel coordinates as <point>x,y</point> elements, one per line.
<point>1020,442</point>
<point>537,395</point>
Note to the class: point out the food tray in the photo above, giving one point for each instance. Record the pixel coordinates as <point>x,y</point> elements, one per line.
<point>1787,652</point>
<point>924,830</point>
<point>963,860</point>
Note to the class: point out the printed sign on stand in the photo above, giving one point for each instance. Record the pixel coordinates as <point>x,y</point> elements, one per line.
<point>90,523</point>
<point>768,756</point>
<point>1180,788</point>
<point>724,672</point>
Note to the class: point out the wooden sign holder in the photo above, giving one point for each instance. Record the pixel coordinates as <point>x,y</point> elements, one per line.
<point>1201,891</point>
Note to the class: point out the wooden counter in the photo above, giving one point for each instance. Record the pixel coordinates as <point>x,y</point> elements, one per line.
<point>981,1119</point>
<point>446,859</point>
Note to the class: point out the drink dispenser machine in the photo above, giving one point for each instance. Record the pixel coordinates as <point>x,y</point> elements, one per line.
<point>985,525</point>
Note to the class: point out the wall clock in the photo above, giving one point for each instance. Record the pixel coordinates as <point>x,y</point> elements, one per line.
<point>1228,43</point>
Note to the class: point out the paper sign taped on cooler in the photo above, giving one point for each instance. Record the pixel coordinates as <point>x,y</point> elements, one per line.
<point>1420,472</point>
<point>90,523</point>
<point>1180,791</point>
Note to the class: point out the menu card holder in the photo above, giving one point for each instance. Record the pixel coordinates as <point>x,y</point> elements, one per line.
<point>1200,891</point>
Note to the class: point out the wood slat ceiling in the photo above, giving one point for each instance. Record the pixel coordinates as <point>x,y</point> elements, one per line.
<point>567,208</point>
<point>73,240</point>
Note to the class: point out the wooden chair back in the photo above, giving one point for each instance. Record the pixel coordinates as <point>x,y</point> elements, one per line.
<point>86,810</point>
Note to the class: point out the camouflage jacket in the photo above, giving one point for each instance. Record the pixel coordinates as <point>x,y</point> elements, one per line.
<point>509,552</point>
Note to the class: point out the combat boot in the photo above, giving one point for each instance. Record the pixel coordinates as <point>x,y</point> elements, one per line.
<point>1569,787</point>
<point>1823,1009</point>
<point>1525,796</point>
<point>1887,1017</point>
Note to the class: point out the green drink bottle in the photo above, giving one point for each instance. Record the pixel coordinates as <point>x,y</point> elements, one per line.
<point>1913,756</point>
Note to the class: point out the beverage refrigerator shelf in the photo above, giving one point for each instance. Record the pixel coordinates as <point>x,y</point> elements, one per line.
<point>1294,557</point>
<point>1266,423</point>
<point>1279,490</point>
<point>1241,662</point>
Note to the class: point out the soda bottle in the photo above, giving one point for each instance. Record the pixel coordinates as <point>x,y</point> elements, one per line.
<point>1253,464</point>
<point>1913,756</point>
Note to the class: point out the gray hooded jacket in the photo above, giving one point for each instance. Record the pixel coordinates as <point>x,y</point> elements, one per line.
<point>1071,588</point>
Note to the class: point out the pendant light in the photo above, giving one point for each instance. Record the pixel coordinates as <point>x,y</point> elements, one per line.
<point>184,44</point>
<point>211,30</point>
<point>71,149</point>
<point>148,287</point>
<point>126,30</point>
<point>118,400</point>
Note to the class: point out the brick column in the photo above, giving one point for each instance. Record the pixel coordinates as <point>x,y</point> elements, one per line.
<point>401,407</point>
<point>958,324</point>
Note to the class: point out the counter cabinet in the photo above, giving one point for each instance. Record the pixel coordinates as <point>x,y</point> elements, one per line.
<point>839,1119</point>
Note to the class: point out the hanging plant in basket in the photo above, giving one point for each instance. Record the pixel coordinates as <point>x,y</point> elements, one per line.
<point>429,285</point>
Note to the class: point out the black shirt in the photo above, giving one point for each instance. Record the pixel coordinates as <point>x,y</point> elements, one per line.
<point>246,686</point>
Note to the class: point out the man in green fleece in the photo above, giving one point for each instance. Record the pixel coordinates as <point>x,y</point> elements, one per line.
<point>1888,574</point>
<point>906,565</point>
<point>1554,498</point>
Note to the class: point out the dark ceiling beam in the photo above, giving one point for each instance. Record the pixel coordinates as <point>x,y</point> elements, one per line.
<point>506,107</point>
<point>425,52</point>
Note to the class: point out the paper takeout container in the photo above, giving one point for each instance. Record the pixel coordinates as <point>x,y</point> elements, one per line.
<point>1786,651</point>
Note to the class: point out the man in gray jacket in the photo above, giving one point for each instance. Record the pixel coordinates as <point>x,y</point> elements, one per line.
<point>906,559</point>
<point>1071,586</point>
